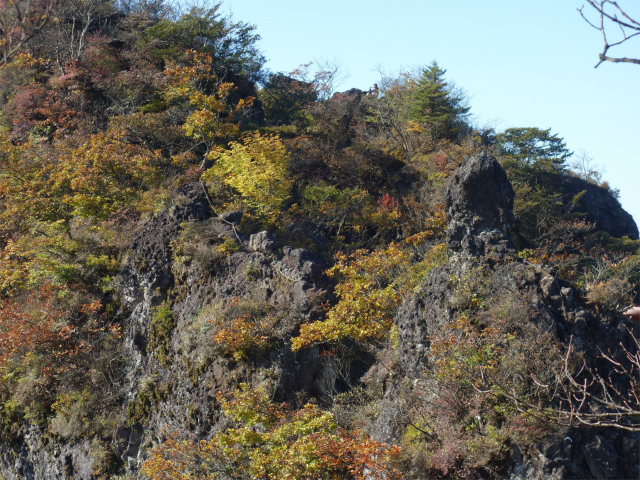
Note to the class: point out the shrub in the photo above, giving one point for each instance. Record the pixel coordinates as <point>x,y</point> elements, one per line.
<point>257,169</point>
<point>370,288</point>
<point>159,333</point>
<point>242,328</point>
<point>272,441</point>
<point>484,388</point>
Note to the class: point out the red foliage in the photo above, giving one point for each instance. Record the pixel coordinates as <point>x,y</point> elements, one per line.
<point>30,324</point>
<point>387,203</point>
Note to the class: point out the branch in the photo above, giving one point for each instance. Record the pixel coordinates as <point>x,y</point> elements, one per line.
<point>628,23</point>
<point>18,25</point>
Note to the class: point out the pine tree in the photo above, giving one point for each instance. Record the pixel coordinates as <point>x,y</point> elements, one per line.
<point>436,106</point>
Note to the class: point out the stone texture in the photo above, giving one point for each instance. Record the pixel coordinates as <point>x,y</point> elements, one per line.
<point>479,199</point>
<point>479,204</point>
<point>599,206</point>
<point>262,242</point>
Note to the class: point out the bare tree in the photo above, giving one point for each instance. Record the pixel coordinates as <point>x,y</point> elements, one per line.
<point>611,15</point>
<point>326,75</point>
<point>584,394</point>
<point>76,25</point>
<point>20,21</point>
<point>390,110</point>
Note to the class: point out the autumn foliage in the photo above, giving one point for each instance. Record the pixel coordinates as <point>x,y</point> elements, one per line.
<point>272,441</point>
<point>110,111</point>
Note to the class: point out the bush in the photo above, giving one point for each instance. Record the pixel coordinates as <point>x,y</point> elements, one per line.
<point>242,328</point>
<point>272,441</point>
<point>160,332</point>
<point>257,169</point>
<point>486,372</point>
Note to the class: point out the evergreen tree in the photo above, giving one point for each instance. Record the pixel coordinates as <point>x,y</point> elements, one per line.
<point>436,106</point>
<point>532,149</point>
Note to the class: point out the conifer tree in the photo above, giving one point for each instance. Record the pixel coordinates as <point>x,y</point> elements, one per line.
<point>435,105</point>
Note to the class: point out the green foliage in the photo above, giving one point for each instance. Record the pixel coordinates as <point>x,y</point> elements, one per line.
<point>527,152</point>
<point>162,323</point>
<point>612,281</point>
<point>436,106</point>
<point>487,371</point>
<point>78,414</point>
<point>284,99</point>
<point>100,129</point>
<point>196,87</point>
<point>338,212</point>
<point>232,45</point>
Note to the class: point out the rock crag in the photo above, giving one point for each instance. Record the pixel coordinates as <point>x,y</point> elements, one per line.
<point>479,201</point>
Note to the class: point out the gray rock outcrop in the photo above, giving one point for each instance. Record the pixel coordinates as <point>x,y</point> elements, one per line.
<point>479,201</point>
<point>479,204</point>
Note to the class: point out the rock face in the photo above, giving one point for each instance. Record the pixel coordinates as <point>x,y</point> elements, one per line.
<point>173,388</point>
<point>479,199</point>
<point>600,206</point>
<point>288,283</point>
<point>479,204</point>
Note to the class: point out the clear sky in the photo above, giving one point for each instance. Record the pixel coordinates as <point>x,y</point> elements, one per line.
<point>522,63</point>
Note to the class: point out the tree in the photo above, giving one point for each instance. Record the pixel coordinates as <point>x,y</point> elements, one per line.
<point>371,286</point>
<point>388,122</point>
<point>257,169</point>
<point>195,86</point>
<point>435,104</point>
<point>284,99</point>
<point>532,149</point>
<point>231,45</point>
<point>20,21</point>
<point>612,15</point>
<point>78,25</point>
<point>29,324</point>
<point>325,76</point>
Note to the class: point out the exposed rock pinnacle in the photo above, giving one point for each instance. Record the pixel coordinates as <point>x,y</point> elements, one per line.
<point>479,203</point>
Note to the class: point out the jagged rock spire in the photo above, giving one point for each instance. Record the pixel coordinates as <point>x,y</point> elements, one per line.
<point>479,203</point>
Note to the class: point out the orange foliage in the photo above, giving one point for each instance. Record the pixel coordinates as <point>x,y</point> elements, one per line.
<point>245,333</point>
<point>273,442</point>
<point>30,324</point>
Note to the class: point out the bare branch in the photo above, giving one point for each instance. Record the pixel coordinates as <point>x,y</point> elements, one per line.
<point>618,17</point>
<point>21,21</point>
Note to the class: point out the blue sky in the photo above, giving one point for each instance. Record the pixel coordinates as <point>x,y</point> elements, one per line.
<point>522,63</point>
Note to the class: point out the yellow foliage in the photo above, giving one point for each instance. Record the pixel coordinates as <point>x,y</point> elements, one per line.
<point>107,173</point>
<point>368,299</point>
<point>273,442</point>
<point>371,287</point>
<point>44,255</point>
<point>257,169</point>
<point>214,117</point>
<point>90,180</point>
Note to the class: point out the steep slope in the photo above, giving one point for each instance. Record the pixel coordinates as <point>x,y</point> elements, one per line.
<point>484,272</point>
<point>178,309</point>
<point>470,359</point>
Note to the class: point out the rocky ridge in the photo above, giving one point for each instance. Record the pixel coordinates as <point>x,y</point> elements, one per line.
<point>479,200</point>
<point>172,385</point>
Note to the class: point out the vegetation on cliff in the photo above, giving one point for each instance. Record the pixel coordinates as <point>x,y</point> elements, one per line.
<point>108,112</point>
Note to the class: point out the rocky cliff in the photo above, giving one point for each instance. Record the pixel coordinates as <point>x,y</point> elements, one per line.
<point>173,305</point>
<point>191,278</point>
<point>478,199</point>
